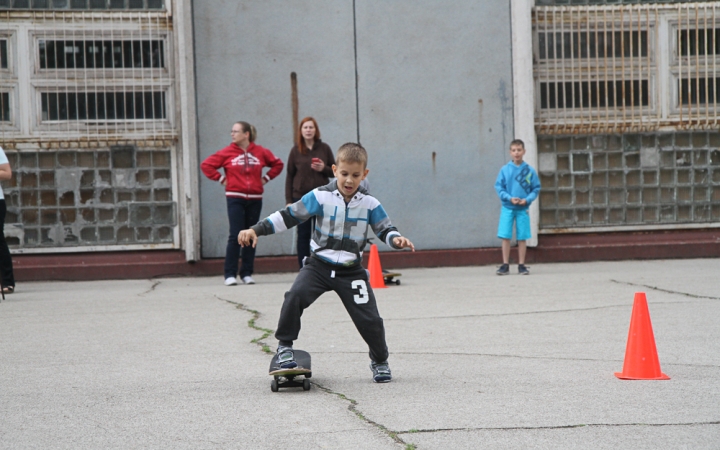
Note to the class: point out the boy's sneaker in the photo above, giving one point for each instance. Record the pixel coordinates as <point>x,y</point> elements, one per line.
<point>248,280</point>
<point>381,372</point>
<point>285,357</point>
<point>230,281</point>
<point>503,270</point>
<point>522,270</point>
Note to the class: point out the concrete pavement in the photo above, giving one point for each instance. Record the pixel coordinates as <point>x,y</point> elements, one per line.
<point>479,361</point>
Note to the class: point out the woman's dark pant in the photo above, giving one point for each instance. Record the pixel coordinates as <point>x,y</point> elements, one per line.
<point>8,279</point>
<point>242,214</point>
<point>304,234</point>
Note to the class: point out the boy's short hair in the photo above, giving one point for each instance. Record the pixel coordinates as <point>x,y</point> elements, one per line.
<point>352,153</point>
<point>517,142</point>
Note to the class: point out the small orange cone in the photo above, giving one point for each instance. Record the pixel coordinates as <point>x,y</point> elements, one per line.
<point>377,280</point>
<point>641,358</point>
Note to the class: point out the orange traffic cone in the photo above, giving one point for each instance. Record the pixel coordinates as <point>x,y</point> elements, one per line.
<point>641,358</point>
<point>377,280</point>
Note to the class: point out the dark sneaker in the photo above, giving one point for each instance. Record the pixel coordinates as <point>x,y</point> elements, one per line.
<point>381,372</point>
<point>522,270</point>
<point>285,358</point>
<point>503,270</point>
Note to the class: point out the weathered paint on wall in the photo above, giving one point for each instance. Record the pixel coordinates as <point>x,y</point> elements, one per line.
<point>434,102</point>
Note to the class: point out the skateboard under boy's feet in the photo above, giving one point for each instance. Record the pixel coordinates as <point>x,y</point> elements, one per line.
<point>285,378</point>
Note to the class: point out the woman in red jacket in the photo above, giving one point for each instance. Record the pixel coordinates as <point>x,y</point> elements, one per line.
<point>309,166</point>
<point>242,161</point>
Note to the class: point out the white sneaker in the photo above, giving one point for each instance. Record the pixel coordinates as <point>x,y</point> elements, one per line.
<point>230,281</point>
<point>248,280</point>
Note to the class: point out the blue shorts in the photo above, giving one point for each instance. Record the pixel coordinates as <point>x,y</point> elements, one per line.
<point>522,224</point>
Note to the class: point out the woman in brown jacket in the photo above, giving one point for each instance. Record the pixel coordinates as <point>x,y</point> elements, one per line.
<point>309,166</point>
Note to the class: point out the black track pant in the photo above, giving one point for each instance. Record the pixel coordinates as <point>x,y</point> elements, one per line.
<point>353,287</point>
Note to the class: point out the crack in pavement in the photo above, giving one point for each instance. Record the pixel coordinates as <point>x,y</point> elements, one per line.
<point>251,324</point>
<point>560,427</point>
<point>352,407</point>
<point>152,288</point>
<point>667,291</point>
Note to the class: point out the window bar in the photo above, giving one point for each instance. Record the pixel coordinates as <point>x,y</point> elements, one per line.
<point>83,55</point>
<point>706,73</point>
<point>556,84</point>
<point>133,17</point>
<point>605,64</point>
<point>714,66</point>
<point>631,25</point>
<point>678,46</point>
<point>697,67</point>
<point>573,108</point>
<point>596,115</point>
<point>152,69</point>
<point>622,62</point>
<point>547,57</point>
<point>657,95</point>
<point>689,72</point>
<point>101,79</point>
<point>560,53</point>
<point>614,74</point>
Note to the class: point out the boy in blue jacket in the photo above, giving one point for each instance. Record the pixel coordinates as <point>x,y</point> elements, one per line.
<point>517,185</point>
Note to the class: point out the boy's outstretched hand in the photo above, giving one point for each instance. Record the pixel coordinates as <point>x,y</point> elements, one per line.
<point>247,237</point>
<point>403,242</point>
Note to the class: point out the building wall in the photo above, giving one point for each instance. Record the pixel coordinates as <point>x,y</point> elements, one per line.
<point>433,104</point>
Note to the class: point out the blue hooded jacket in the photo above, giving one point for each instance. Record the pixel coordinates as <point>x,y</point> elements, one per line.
<point>517,181</point>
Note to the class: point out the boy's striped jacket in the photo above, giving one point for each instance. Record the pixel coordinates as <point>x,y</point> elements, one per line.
<point>341,229</point>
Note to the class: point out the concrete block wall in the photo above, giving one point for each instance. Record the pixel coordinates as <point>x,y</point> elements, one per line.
<point>102,194</point>
<point>631,179</point>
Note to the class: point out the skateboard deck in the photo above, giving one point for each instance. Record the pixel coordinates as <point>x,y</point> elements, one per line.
<point>390,277</point>
<point>285,378</point>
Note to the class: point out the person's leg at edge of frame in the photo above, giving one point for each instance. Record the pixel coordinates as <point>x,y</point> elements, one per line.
<point>523,234</point>
<point>505,224</point>
<point>251,217</point>
<point>6,267</point>
<point>236,217</point>
<point>357,296</point>
<point>309,284</point>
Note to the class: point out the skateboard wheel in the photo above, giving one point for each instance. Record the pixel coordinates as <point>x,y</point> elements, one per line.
<point>397,282</point>
<point>306,384</point>
<point>274,385</point>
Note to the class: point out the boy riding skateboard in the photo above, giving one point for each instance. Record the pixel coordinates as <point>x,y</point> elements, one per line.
<point>343,212</point>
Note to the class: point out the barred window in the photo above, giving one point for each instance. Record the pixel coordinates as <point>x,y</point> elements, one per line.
<point>96,54</point>
<point>627,68</point>
<point>102,106</point>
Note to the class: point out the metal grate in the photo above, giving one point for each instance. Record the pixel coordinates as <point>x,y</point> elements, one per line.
<point>81,4</point>
<point>626,68</point>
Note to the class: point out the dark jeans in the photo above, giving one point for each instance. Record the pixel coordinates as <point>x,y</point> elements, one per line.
<point>304,234</point>
<point>6,267</point>
<point>242,215</point>
<point>352,286</point>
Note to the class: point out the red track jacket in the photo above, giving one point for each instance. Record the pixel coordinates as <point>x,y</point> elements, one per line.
<point>243,169</point>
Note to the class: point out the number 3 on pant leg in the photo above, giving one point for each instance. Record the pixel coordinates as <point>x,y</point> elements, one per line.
<point>362,287</point>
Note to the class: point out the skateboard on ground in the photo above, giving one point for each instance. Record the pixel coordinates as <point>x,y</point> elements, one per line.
<point>285,378</point>
<point>390,277</point>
